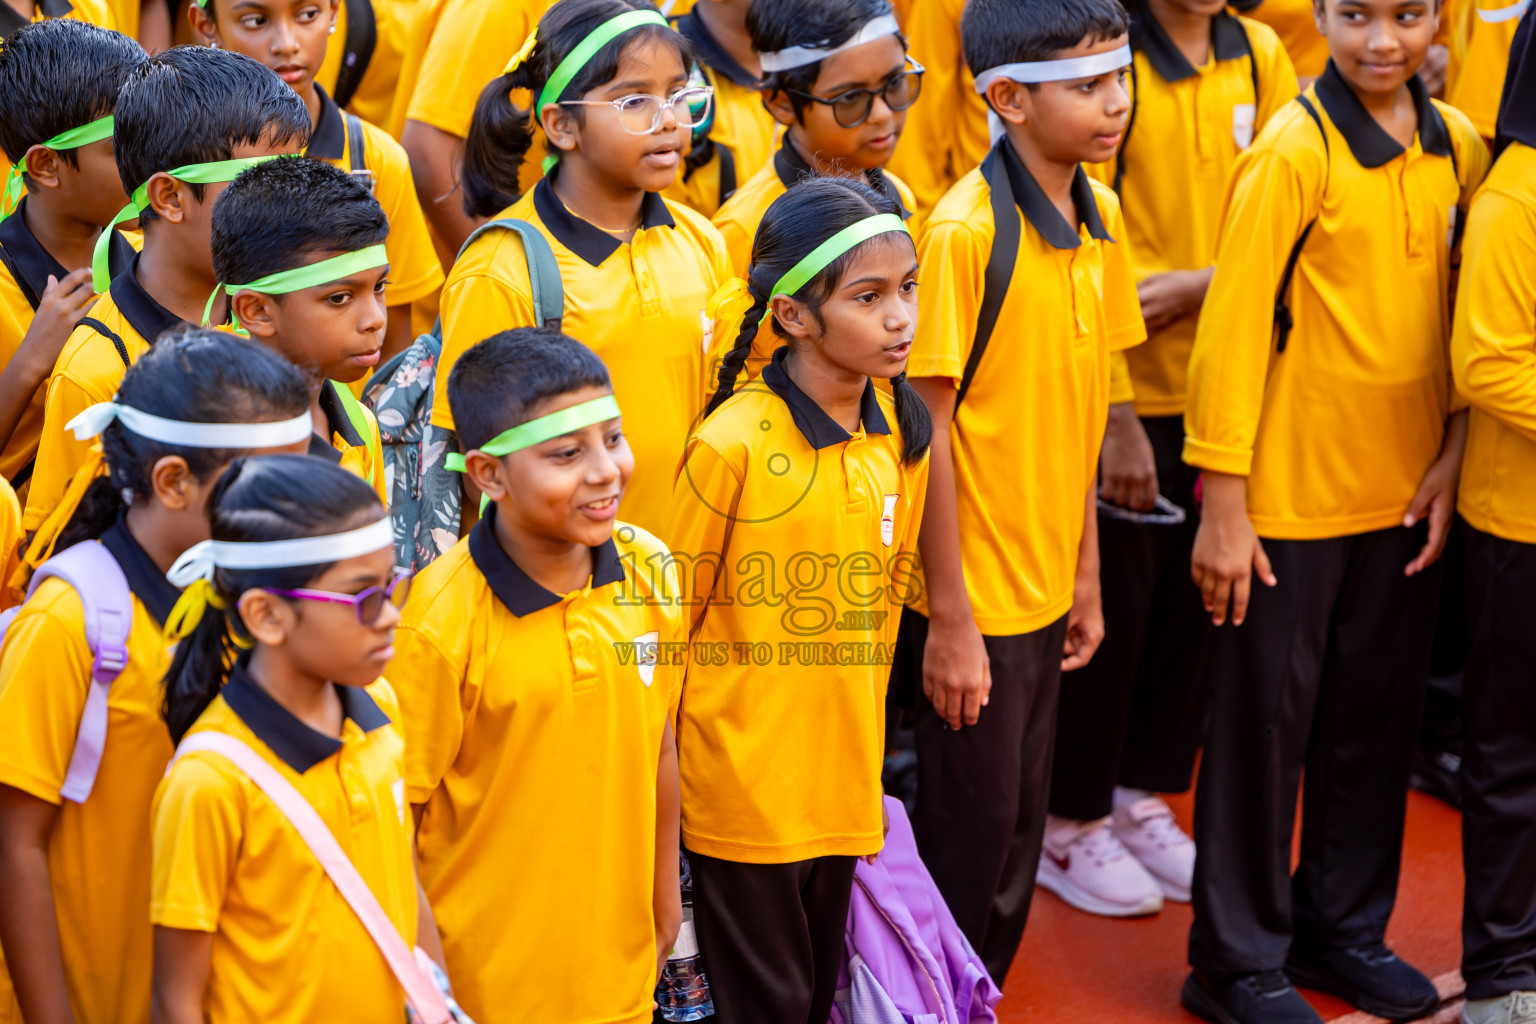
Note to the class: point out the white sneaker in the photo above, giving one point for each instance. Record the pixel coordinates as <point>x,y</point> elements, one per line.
<point>1148,830</point>
<point>1084,864</point>
<point>1515,1008</point>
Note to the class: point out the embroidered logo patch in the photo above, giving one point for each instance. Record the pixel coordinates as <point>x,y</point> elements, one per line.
<point>645,655</point>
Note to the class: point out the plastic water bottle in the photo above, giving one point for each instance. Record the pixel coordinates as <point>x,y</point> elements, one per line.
<point>683,991</point>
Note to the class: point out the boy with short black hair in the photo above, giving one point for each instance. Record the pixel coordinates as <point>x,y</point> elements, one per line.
<point>313,236</point>
<point>539,666</point>
<point>58,86</point>
<point>1034,290</point>
<point>200,113</point>
<point>1321,415</point>
<point>291,39</point>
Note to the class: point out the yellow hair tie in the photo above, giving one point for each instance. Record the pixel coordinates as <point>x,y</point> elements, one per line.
<point>522,55</point>
<point>194,601</point>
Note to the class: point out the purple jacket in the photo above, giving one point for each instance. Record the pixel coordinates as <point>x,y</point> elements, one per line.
<point>906,961</point>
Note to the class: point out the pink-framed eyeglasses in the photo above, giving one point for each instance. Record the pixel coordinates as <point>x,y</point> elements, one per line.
<point>368,604</point>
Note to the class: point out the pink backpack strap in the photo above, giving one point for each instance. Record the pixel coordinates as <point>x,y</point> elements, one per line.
<point>420,992</point>
<point>107,605</point>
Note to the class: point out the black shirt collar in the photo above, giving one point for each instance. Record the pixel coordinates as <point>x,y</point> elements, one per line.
<point>299,746</point>
<point>1228,42</point>
<point>33,263</point>
<point>1042,214</point>
<point>708,49</point>
<point>515,588</point>
<point>10,20</point>
<point>586,240</point>
<point>338,420</point>
<point>145,579</point>
<point>1368,141</point>
<point>144,314</point>
<point>329,139</point>
<point>818,428</point>
<point>792,168</point>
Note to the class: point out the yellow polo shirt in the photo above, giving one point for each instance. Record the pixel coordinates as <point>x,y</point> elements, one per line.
<point>534,728</point>
<point>946,132</point>
<point>1493,350</point>
<point>286,945</point>
<point>97,12</point>
<point>1480,37</point>
<point>639,305</point>
<point>99,852</point>
<point>741,124</point>
<point>1071,302</point>
<point>24,270</point>
<point>796,545</point>
<point>738,219</point>
<point>394,23</point>
<point>1189,127</point>
<point>1296,25</point>
<point>414,270</point>
<point>89,369</point>
<point>356,449</point>
<point>1336,432</point>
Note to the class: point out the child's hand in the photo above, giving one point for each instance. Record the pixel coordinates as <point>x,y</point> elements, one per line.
<point>1085,622</point>
<point>63,303</point>
<point>957,674</point>
<point>1437,498</point>
<point>1227,551</point>
<point>1127,469</point>
<point>1167,296</point>
<point>885,830</point>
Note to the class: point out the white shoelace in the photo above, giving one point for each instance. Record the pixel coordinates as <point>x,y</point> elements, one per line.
<point>1101,846</point>
<point>1154,819</point>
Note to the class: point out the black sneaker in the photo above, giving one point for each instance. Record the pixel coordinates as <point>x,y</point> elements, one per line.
<point>1371,978</point>
<point>1263,998</point>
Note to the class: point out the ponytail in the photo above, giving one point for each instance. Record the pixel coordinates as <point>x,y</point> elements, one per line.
<point>259,498</point>
<point>913,419</point>
<point>500,134</point>
<point>732,363</point>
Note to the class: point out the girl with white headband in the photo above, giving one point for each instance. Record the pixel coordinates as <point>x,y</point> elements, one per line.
<point>285,627</point>
<point>804,475</point>
<point>82,745</point>
<point>837,77</point>
<point>615,102</point>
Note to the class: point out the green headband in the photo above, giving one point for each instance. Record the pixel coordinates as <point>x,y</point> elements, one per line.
<point>308,276</point>
<point>801,273</point>
<point>537,431</point>
<point>596,40</point>
<point>99,129</point>
<point>211,173</point>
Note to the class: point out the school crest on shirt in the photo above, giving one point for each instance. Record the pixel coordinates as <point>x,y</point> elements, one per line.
<point>1243,117</point>
<point>645,655</point>
<point>888,519</point>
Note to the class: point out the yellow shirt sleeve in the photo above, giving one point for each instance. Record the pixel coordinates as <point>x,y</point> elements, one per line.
<point>1270,202</point>
<point>474,307</point>
<point>414,270</point>
<point>952,262</point>
<point>1123,325</point>
<point>1277,75</point>
<point>704,500</point>
<point>59,455</point>
<point>45,674</point>
<point>432,711</point>
<point>1493,346</point>
<point>928,156</point>
<point>1121,388</point>
<point>197,833</point>
<point>470,45</point>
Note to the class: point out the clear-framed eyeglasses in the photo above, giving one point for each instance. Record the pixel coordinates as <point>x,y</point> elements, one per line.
<point>640,114</point>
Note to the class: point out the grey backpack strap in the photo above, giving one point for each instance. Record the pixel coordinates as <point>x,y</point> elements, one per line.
<point>357,164</point>
<point>543,271</point>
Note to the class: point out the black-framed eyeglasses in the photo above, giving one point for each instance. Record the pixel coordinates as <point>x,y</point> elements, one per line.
<point>852,108</point>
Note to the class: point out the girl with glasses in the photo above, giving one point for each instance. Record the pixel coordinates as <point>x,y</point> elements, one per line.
<point>612,94</point>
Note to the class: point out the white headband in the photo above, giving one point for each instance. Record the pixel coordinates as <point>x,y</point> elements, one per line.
<point>199,561</point>
<point>275,434</point>
<point>1064,70</point>
<point>793,57</point>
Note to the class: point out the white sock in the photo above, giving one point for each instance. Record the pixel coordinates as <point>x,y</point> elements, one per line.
<point>1125,797</point>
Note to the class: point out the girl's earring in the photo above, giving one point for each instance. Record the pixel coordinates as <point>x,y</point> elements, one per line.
<point>332,31</point>
<point>213,45</point>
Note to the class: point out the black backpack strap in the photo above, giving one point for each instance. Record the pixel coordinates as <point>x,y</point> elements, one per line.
<point>1283,319</point>
<point>357,51</point>
<point>1253,66</point>
<point>1125,138</point>
<point>357,162</point>
<point>23,474</point>
<point>106,332</point>
<point>999,272</point>
<point>727,172</point>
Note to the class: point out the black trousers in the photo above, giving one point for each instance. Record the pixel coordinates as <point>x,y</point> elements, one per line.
<point>981,790</point>
<point>1498,769</point>
<point>1134,715</point>
<point>771,936</point>
<point>1326,674</point>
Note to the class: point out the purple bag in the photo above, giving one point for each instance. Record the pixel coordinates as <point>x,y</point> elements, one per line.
<point>94,574</point>
<point>907,962</point>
